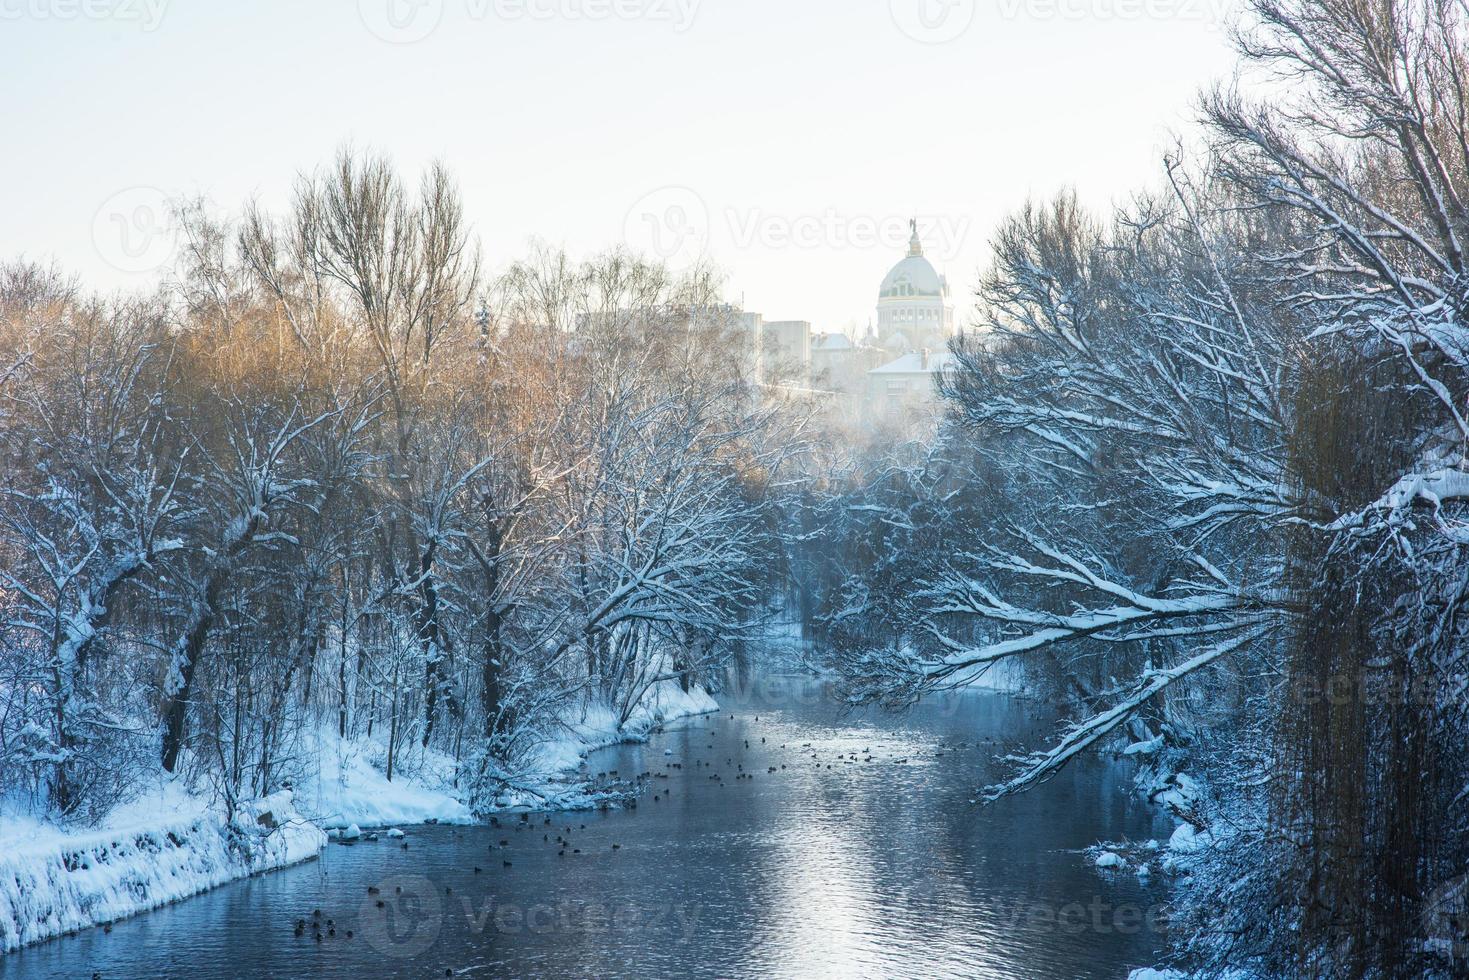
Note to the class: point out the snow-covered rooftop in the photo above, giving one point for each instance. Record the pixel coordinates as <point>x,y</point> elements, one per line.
<point>912,363</point>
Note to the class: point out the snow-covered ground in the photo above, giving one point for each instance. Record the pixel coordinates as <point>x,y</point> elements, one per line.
<point>161,848</point>
<point>597,726</point>
<point>168,845</point>
<point>351,788</point>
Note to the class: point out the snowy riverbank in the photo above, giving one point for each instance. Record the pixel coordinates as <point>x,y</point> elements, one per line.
<point>350,786</point>
<point>169,845</point>
<point>162,848</point>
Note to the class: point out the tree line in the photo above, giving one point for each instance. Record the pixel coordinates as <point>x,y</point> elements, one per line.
<point>329,478</point>
<point>1203,476</point>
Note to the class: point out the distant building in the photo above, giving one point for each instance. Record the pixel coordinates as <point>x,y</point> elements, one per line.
<point>787,352</point>
<point>913,307</point>
<point>915,320</point>
<point>751,348</point>
<point>907,385</point>
<point>839,365</point>
<point>884,380</point>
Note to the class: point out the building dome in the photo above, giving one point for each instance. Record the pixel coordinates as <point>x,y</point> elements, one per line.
<point>914,276</point>
<point>913,311</point>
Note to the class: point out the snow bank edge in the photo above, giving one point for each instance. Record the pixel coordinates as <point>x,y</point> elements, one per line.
<point>80,882</point>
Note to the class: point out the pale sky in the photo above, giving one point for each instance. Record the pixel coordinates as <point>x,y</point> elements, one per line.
<point>793,139</point>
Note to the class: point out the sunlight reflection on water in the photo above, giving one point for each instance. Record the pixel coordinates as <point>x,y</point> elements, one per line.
<point>859,856</point>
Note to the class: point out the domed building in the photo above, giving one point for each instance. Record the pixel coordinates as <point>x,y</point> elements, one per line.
<point>884,380</point>
<point>913,308</point>
<point>915,322</point>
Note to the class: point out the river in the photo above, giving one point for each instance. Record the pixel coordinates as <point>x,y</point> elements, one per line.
<point>859,855</point>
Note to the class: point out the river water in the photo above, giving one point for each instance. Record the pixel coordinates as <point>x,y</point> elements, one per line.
<point>859,855</point>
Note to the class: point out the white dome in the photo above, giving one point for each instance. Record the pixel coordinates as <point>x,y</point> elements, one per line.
<point>915,276</point>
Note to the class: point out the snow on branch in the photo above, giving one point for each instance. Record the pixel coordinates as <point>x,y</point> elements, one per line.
<point>1040,766</point>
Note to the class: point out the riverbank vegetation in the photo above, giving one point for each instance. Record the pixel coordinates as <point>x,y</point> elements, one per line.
<point>1221,439</point>
<point>329,478</point>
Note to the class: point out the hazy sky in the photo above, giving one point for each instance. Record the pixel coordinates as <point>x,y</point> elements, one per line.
<point>790,140</point>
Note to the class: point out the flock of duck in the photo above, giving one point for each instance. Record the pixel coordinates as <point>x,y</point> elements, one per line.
<point>610,784</point>
<point>323,927</point>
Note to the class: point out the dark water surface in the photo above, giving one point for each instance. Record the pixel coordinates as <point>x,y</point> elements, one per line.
<point>828,867</point>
